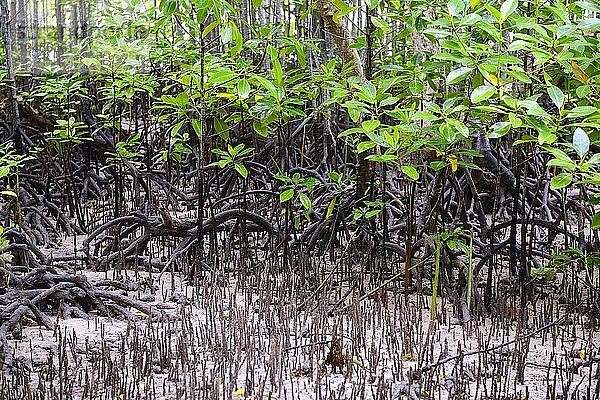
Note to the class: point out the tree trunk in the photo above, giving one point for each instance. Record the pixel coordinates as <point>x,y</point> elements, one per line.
<point>343,39</point>
<point>364,175</point>
<point>73,29</point>
<point>13,106</point>
<point>341,36</point>
<point>21,33</point>
<point>11,21</point>
<point>83,19</point>
<point>60,31</point>
<point>35,42</point>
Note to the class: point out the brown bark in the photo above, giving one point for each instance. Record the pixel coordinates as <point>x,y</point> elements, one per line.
<point>341,36</point>
<point>343,39</point>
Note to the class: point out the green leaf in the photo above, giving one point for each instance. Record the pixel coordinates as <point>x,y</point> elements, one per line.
<point>341,5</point>
<point>469,165</point>
<point>558,153</point>
<point>458,126</point>
<point>388,101</point>
<point>561,180</point>
<point>546,136</point>
<point>355,109</point>
<point>518,45</point>
<point>4,171</point>
<point>566,165</point>
<point>589,5</point>
<point>593,161</point>
<point>384,158</point>
<point>372,3</point>
<point>519,75</point>
<point>423,116</point>
<point>482,93</point>
<point>533,108</point>
<point>209,28</point>
<point>260,128</point>
<point>378,139</point>
<point>507,8</point>
<point>276,71</point>
<point>221,76</point>
<point>500,129</point>
<point>286,195</point>
<point>306,203</point>
<point>226,32</point>
<point>169,8</point>
<point>411,172</point>
<point>583,91</point>
<point>334,176</point>
<point>581,111</point>
<point>437,165</point>
<point>380,23</point>
<point>596,221</point>
<point>437,33</point>
<point>364,146</point>
<point>470,20</point>
<point>458,75</point>
<point>283,178</point>
<point>8,193</point>
<point>581,142</point>
<point>267,84</point>
<point>344,10</point>
<point>243,89</point>
<point>495,13</point>
<point>515,121</point>
<point>455,7</point>
<point>182,99</point>
<point>237,38</point>
<point>221,128</point>
<point>368,92</point>
<point>372,213</point>
<point>590,24</point>
<point>256,3</point>
<point>244,151</point>
<point>557,96</point>
<point>331,207</point>
<point>197,127</point>
<point>175,128</point>
<point>371,125</point>
<point>543,273</point>
<point>416,87</point>
<point>241,169</point>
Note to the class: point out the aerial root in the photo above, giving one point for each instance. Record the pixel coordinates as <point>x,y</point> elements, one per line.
<point>33,296</point>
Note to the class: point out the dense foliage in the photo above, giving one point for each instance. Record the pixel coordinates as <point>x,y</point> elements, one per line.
<point>300,177</point>
<point>465,127</point>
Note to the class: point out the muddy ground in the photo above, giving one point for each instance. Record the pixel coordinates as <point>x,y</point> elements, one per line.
<point>262,334</point>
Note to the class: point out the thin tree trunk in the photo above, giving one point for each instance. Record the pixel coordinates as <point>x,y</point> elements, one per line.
<point>21,16</point>
<point>60,31</point>
<point>73,34</point>
<point>13,107</point>
<point>341,36</point>
<point>35,43</point>
<point>364,175</point>
<point>11,21</point>
<point>83,19</point>
<point>343,39</point>
<point>83,31</point>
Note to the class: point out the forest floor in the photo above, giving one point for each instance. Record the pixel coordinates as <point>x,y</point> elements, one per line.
<point>261,336</point>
